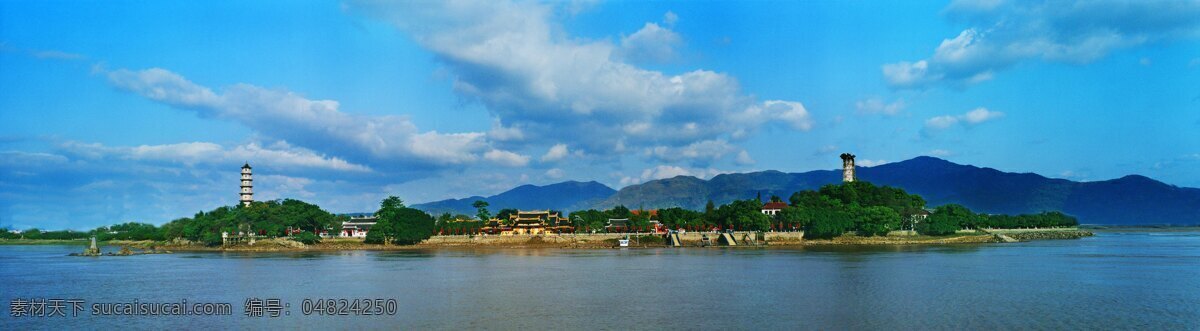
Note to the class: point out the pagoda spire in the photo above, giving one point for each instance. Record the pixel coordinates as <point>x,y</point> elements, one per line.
<point>247,191</point>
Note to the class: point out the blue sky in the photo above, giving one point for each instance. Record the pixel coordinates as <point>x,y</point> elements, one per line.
<point>134,111</point>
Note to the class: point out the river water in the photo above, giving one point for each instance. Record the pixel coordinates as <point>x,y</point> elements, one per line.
<point>1110,281</point>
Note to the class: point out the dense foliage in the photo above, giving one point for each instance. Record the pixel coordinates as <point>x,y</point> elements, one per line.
<point>307,238</point>
<point>399,225</point>
<point>859,206</point>
<point>1041,220</point>
<point>873,210</point>
<point>447,224</point>
<point>831,211</point>
<point>130,231</point>
<point>46,235</point>
<point>269,218</point>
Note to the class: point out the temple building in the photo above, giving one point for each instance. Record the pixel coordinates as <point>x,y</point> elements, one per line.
<point>358,226</point>
<point>247,189</point>
<point>529,222</point>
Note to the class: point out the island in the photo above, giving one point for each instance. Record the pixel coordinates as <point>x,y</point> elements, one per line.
<point>849,213</point>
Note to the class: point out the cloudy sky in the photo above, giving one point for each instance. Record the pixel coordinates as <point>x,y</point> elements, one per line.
<point>144,111</point>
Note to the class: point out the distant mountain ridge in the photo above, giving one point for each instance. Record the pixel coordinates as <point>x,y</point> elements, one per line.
<point>564,196</point>
<point>1131,199</point>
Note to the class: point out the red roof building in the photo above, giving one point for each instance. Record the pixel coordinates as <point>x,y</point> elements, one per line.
<point>773,208</point>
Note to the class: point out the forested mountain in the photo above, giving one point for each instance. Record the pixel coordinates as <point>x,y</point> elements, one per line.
<point>1128,200</point>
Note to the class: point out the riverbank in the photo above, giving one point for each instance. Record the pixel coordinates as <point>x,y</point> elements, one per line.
<point>691,239</point>
<point>590,241</point>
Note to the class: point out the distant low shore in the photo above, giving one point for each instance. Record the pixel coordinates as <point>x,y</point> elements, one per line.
<point>593,241</point>
<point>1141,228</point>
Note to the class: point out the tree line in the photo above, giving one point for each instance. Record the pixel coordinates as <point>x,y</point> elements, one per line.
<point>856,207</point>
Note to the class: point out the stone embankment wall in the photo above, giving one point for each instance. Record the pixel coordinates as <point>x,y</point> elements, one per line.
<point>565,240</point>
<point>596,240</point>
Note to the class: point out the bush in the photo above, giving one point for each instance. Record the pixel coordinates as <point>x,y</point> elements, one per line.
<point>211,239</point>
<point>374,237</point>
<point>400,225</point>
<point>828,228</point>
<point>651,240</point>
<point>946,220</point>
<point>878,221</point>
<point>307,238</point>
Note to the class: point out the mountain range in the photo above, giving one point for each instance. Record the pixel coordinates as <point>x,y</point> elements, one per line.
<point>1128,200</point>
<point>564,196</point>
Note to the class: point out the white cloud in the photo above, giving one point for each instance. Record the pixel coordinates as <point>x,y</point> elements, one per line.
<point>516,59</point>
<point>499,132</point>
<point>556,153</point>
<point>908,74</point>
<point>869,163</point>
<point>743,158</point>
<point>980,115</point>
<point>974,117</point>
<point>670,18</point>
<point>941,122</point>
<point>506,158</point>
<point>652,43</point>
<point>700,152</point>
<point>1003,33</point>
<point>196,153</point>
<point>554,173</point>
<point>167,87</point>
<point>875,105</point>
<point>271,187</point>
<point>314,124</point>
<point>790,112</point>
<point>19,158</point>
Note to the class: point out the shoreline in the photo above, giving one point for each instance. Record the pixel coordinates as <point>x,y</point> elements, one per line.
<point>773,240</point>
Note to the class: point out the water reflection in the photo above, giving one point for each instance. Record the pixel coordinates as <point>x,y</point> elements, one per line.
<point>1110,281</point>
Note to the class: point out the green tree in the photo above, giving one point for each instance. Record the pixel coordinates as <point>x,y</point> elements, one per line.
<point>828,223</point>
<point>387,223</point>
<point>710,210</point>
<point>793,218</point>
<point>504,213</point>
<point>677,218</point>
<point>307,238</point>
<point>946,220</point>
<point>743,215</point>
<point>878,221</point>
<point>588,220</point>
<point>400,225</point>
<point>481,210</point>
<point>639,221</point>
<point>414,226</point>
<point>619,211</point>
